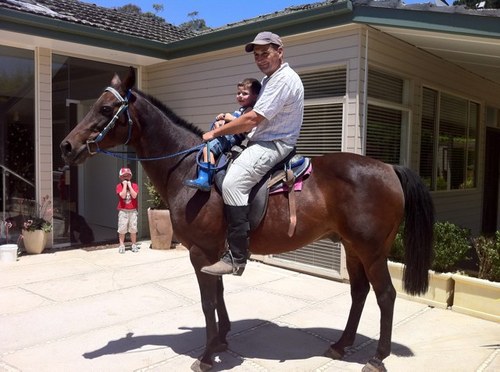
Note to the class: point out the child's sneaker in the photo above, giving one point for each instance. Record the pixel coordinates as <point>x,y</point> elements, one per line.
<point>121,249</point>
<point>134,248</point>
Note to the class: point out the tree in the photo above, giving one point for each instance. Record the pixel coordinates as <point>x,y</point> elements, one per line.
<point>131,8</point>
<point>195,24</point>
<point>474,4</point>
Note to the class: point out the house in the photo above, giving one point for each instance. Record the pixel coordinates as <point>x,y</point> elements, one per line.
<point>417,85</point>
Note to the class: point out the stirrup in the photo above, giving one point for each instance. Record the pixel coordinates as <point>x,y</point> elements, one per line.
<point>238,268</point>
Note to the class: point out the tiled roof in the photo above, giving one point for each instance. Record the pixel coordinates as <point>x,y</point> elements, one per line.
<point>108,19</point>
<point>286,11</point>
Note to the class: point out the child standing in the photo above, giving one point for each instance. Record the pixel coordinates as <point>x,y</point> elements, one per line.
<point>127,209</point>
<point>246,96</point>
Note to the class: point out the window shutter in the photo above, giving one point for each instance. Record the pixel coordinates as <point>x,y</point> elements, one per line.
<point>321,133</point>
<point>385,87</point>
<point>427,138</point>
<point>384,134</point>
<point>384,117</point>
<point>329,83</point>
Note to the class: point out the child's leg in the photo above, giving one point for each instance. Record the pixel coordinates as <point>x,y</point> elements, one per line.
<point>122,229</point>
<point>133,231</point>
<point>121,238</point>
<point>205,156</point>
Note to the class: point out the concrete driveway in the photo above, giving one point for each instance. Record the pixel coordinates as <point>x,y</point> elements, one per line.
<point>97,310</point>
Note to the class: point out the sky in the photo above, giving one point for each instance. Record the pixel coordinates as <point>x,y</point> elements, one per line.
<point>216,13</point>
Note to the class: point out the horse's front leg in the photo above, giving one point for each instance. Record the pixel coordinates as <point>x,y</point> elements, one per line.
<point>212,300</point>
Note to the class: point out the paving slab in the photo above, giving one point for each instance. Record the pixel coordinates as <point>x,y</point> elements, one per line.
<point>98,310</point>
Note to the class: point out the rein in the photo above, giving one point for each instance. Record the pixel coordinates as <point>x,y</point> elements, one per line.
<point>135,158</point>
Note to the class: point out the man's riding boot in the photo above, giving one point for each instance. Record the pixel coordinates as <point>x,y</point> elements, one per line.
<point>204,180</point>
<point>235,259</point>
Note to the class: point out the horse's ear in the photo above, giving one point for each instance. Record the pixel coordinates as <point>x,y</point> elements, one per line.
<point>129,80</point>
<point>116,82</point>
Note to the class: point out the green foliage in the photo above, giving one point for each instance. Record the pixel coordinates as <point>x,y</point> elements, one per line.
<point>397,253</point>
<point>195,24</point>
<point>488,252</point>
<point>451,246</point>
<point>155,200</point>
<point>134,9</point>
<point>37,216</point>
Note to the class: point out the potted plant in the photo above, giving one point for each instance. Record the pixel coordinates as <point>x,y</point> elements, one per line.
<point>160,225</point>
<point>37,224</point>
<point>479,296</point>
<point>451,244</point>
<point>449,286</point>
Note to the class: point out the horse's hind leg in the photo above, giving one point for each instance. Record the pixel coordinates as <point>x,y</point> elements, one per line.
<point>359,290</point>
<point>379,277</point>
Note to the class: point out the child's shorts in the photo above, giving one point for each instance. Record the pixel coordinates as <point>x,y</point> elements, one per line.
<point>127,221</point>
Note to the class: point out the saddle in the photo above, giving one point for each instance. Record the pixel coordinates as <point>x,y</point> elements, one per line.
<point>286,177</point>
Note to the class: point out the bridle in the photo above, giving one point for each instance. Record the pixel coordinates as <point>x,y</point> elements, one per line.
<point>123,108</point>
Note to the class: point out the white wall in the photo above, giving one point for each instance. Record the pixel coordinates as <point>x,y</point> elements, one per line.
<point>462,207</point>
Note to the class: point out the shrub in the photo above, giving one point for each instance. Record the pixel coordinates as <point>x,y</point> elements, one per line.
<point>488,252</point>
<point>397,253</point>
<point>451,246</point>
<point>155,200</point>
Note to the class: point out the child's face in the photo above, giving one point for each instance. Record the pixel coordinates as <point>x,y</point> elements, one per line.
<point>127,177</point>
<point>245,97</point>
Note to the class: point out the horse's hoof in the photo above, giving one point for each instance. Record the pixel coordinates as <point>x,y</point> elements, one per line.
<point>374,365</point>
<point>334,354</point>
<point>199,366</point>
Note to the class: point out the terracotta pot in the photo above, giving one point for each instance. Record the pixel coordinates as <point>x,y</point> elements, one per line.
<point>34,241</point>
<point>160,228</point>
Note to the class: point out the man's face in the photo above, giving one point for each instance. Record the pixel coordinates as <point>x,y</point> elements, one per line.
<point>268,58</point>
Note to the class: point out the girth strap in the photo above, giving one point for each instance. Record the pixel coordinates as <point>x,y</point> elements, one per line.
<point>289,181</point>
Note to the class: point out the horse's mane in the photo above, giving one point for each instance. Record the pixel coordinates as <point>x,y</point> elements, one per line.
<point>170,114</point>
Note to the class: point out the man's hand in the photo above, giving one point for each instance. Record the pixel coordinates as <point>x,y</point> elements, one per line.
<point>208,136</point>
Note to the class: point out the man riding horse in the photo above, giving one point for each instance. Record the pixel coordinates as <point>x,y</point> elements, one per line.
<point>277,119</point>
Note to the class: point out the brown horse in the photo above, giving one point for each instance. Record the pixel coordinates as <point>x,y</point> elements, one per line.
<point>349,198</point>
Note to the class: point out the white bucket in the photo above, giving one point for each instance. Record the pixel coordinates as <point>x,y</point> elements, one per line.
<point>8,252</point>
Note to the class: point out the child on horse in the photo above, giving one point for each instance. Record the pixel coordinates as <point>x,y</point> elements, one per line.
<point>246,96</point>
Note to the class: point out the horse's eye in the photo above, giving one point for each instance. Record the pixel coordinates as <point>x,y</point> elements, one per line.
<point>106,110</point>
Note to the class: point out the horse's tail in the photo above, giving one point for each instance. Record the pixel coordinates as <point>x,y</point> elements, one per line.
<point>418,231</point>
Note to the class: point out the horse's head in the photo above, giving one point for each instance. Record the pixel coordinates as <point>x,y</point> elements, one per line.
<point>107,124</point>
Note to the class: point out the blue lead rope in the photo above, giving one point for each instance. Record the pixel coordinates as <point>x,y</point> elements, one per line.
<point>121,156</point>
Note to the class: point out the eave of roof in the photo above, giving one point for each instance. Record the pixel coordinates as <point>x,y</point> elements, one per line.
<point>450,20</point>
<point>324,15</point>
<point>22,22</point>
<point>292,20</point>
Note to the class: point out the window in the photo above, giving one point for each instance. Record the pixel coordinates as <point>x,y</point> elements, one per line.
<point>387,117</point>
<point>321,133</point>
<point>324,93</point>
<point>17,125</point>
<point>448,150</point>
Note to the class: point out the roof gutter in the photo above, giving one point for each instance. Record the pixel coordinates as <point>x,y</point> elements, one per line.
<point>433,21</point>
<point>287,24</point>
